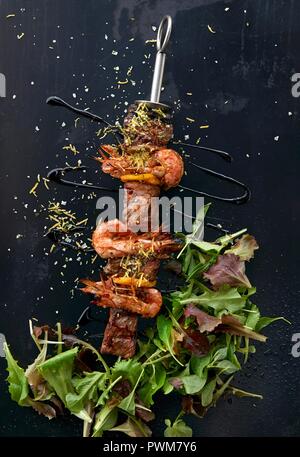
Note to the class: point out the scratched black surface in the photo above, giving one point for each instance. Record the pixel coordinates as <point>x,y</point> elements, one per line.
<point>240,80</point>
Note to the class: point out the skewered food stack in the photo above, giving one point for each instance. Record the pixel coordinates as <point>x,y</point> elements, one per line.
<point>144,164</point>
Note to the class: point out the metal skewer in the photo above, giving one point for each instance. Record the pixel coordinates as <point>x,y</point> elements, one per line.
<point>159,67</point>
<point>163,36</point>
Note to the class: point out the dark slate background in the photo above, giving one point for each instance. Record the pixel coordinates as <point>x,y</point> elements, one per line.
<point>240,80</point>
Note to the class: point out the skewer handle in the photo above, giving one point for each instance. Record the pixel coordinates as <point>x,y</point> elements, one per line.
<point>163,36</point>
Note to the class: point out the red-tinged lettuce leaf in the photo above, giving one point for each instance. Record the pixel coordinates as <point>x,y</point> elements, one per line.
<point>205,322</point>
<point>122,388</point>
<point>40,330</point>
<point>42,408</point>
<point>226,324</point>
<point>39,387</point>
<point>244,247</point>
<point>196,342</point>
<point>191,404</point>
<point>228,270</point>
<point>59,407</point>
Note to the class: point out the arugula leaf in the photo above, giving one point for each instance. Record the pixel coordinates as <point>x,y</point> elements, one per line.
<point>264,321</point>
<point>177,430</point>
<point>153,383</point>
<point>187,259</point>
<point>86,390</point>
<point>18,385</point>
<point>106,392</point>
<point>199,268</point>
<point>208,392</point>
<point>129,369</point>
<point>231,353</point>
<point>205,246</point>
<point>165,327</point>
<point>128,403</point>
<point>198,229</point>
<point>105,419</point>
<point>224,299</point>
<point>228,238</point>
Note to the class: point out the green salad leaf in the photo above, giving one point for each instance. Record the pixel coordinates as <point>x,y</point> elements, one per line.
<point>133,427</point>
<point>177,430</point>
<point>86,389</point>
<point>18,384</point>
<point>164,327</point>
<point>58,373</point>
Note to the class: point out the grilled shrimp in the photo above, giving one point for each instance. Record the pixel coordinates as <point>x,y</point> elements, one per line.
<point>166,165</point>
<point>112,239</point>
<point>146,302</point>
<point>172,165</point>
